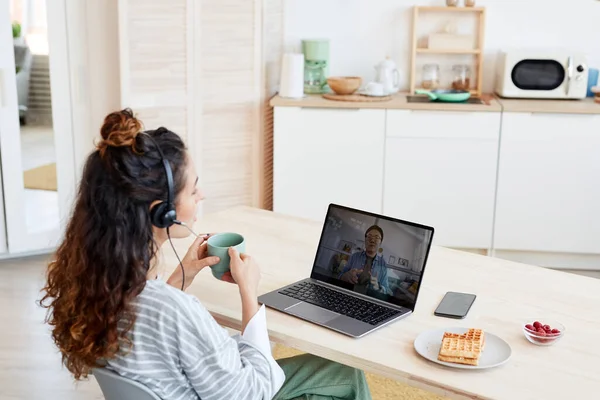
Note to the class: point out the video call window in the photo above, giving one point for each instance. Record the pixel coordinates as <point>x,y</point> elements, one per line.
<point>373,256</point>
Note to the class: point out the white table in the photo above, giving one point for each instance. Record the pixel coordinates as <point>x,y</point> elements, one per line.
<point>508,294</point>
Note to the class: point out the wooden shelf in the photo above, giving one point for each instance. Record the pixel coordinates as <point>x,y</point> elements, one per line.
<point>418,13</point>
<point>436,51</point>
<point>451,9</point>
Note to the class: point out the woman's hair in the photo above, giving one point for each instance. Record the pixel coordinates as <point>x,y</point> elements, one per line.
<point>102,263</point>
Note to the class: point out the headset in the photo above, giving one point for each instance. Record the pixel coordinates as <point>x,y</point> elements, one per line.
<point>163,214</point>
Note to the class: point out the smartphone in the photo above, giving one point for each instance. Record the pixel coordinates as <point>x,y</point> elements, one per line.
<point>455,305</point>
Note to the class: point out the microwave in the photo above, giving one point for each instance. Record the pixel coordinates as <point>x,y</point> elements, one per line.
<point>541,74</point>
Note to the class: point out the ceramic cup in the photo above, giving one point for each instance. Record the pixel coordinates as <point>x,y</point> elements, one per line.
<point>374,89</point>
<point>218,245</point>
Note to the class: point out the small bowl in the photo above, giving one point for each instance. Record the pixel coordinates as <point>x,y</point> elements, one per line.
<point>344,84</point>
<point>543,339</point>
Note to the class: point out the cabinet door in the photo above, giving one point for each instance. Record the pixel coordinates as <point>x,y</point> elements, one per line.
<point>323,156</point>
<point>549,183</point>
<point>440,170</point>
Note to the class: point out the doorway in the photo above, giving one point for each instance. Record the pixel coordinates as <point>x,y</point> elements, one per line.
<point>30,36</point>
<point>28,139</point>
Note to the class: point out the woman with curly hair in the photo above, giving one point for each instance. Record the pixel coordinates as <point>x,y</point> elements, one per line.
<point>108,307</point>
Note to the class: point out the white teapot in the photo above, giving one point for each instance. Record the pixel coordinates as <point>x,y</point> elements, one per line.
<point>388,75</point>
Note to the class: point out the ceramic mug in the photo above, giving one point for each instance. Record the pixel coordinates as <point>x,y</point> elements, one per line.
<point>218,245</point>
<point>374,89</point>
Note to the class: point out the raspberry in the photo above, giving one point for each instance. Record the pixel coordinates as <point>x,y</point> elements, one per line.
<point>555,331</point>
<point>530,327</point>
<point>537,325</point>
<point>547,328</point>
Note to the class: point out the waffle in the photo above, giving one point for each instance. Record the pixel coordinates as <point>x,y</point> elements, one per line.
<point>475,335</point>
<point>459,360</point>
<point>462,348</point>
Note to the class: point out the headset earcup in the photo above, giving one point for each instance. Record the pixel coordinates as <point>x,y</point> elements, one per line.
<point>162,216</point>
<point>169,217</point>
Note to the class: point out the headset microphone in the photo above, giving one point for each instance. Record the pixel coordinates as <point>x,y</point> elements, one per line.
<point>189,229</point>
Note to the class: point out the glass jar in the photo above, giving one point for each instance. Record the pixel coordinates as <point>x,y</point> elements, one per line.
<point>461,77</point>
<point>469,3</point>
<point>451,3</point>
<point>431,76</point>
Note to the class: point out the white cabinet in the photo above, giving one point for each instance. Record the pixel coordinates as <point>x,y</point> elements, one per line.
<point>440,170</point>
<point>549,183</point>
<point>325,155</point>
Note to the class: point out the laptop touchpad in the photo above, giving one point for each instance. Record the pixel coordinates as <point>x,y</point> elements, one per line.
<point>312,313</point>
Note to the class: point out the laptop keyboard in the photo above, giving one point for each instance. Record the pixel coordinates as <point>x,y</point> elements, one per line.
<point>340,303</point>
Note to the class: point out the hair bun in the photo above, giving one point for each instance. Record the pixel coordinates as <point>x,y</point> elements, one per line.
<point>119,129</point>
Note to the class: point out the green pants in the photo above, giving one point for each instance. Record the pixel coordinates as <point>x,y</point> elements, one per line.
<point>310,377</point>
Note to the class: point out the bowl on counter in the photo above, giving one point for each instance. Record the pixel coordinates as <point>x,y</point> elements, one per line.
<point>344,84</point>
<point>553,331</point>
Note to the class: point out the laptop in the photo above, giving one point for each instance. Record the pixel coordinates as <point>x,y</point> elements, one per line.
<point>367,273</point>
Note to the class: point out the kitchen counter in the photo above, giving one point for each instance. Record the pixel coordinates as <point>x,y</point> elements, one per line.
<point>399,101</point>
<point>494,104</point>
<point>585,106</point>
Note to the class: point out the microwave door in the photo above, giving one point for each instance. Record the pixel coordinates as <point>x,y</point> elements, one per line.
<point>539,74</point>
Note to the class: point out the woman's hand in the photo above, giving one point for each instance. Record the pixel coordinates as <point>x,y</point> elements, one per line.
<point>194,261</point>
<point>245,272</point>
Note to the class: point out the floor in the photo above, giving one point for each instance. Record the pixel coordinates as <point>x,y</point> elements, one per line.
<point>37,149</point>
<point>42,213</point>
<point>37,146</point>
<point>29,363</point>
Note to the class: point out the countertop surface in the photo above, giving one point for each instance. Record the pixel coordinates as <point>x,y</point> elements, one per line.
<point>399,101</point>
<point>508,294</point>
<point>493,104</point>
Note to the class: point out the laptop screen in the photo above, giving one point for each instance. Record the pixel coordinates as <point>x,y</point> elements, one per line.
<point>374,255</point>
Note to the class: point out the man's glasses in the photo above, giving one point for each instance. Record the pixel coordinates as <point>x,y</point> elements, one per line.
<point>373,237</point>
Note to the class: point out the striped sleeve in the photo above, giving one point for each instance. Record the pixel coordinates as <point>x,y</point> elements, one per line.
<point>219,366</point>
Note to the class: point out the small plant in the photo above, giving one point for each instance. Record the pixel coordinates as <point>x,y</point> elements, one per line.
<point>16,29</point>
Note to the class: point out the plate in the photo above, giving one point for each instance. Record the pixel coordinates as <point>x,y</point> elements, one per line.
<point>495,353</point>
<point>363,93</point>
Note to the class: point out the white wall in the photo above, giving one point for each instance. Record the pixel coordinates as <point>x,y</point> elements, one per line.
<point>94,58</point>
<point>399,241</point>
<point>362,33</point>
<point>103,60</point>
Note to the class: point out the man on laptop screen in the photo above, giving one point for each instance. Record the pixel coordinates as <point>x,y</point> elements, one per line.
<point>373,256</point>
<point>366,270</point>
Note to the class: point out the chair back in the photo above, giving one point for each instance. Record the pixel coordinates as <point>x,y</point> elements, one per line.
<point>116,387</point>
